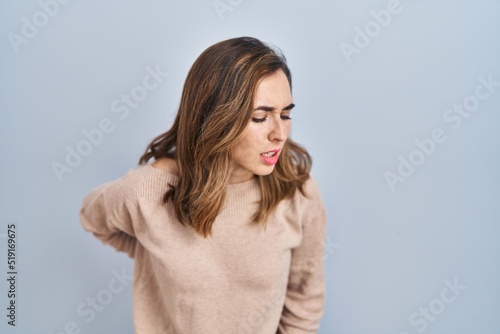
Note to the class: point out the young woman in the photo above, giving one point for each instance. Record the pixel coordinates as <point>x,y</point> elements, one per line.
<point>226,226</point>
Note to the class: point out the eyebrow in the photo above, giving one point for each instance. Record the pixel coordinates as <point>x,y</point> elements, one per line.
<point>267,108</point>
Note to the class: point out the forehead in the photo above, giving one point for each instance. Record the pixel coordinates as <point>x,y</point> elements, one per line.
<point>273,89</point>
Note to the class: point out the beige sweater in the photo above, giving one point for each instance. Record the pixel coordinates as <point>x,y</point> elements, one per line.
<point>243,279</point>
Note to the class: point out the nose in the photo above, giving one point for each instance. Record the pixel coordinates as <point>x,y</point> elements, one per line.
<point>278,131</point>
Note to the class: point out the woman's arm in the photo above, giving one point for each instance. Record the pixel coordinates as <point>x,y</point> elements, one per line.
<point>305,296</point>
<point>107,213</point>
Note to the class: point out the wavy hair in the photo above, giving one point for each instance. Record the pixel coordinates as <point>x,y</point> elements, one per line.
<point>215,107</point>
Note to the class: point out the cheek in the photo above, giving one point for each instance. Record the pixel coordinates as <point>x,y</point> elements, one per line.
<point>288,127</point>
<point>253,137</point>
<point>241,150</point>
<point>257,133</point>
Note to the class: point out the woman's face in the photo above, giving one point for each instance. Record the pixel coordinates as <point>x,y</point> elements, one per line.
<point>262,140</point>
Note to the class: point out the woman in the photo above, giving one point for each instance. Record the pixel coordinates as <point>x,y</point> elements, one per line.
<point>226,226</point>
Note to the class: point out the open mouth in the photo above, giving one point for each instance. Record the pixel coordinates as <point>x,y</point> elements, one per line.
<point>270,157</point>
<point>269,154</point>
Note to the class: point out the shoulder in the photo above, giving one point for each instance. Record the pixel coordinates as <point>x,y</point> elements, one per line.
<point>167,165</point>
<point>144,181</point>
<point>312,206</point>
<point>311,187</point>
<point>311,191</point>
<point>305,201</point>
<point>311,202</point>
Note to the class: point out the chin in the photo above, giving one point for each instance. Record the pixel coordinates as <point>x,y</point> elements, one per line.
<point>264,171</point>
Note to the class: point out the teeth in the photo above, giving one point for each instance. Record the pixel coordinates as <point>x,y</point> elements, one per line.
<point>268,154</point>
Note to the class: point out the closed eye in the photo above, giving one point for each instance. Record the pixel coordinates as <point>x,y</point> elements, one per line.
<point>285,117</point>
<point>258,120</point>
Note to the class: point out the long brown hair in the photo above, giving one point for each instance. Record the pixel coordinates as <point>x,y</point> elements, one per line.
<point>216,106</point>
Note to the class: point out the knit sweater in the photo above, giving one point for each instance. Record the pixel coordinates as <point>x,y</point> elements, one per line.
<point>245,278</point>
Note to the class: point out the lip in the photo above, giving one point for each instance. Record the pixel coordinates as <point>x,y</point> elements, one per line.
<point>271,160</point>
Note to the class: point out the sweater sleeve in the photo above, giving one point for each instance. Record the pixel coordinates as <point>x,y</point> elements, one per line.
<point>107,213</point>
<point>304,300</point>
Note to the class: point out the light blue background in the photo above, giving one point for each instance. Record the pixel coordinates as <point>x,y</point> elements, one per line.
<point>390,252</point>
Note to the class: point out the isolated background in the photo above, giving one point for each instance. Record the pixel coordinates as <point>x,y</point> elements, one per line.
<point>391,250</point>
